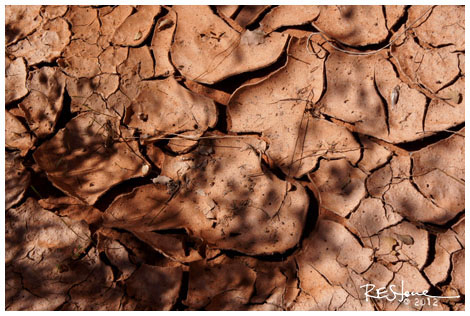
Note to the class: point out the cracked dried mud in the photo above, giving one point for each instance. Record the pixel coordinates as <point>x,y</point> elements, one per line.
<point>234,157</point>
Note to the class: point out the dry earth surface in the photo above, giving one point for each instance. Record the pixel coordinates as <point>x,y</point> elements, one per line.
<point>234,157</point>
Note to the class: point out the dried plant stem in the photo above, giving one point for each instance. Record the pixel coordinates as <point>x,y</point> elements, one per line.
<point>322,34</point>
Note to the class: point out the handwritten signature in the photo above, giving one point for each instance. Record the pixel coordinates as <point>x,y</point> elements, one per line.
<point>389,293</point>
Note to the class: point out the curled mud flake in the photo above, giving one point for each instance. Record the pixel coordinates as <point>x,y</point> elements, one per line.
<point>281,107</point>
<point>446,244</point>
<point>224,286</point>
<point>214,94</point>
<point>155,288</point>
<point>15,79</point>
<point>161,44</point>
<point>73,208</point>
<point>16,135</point>
<point>448,111</point>
<point>341,186</point>
<point>45,44</point>
<point>150,213</point>
<point>51,12</point>
<point>17,179</point>
<point>141,22</point>
<point>264,223</point>
<point>156,155</point>
<point>373,155</point>
<point>372,216</point>
<point>439,173</point>
<point>51,248</point>
<point>20,21</point>
<point>164,108</point>
<point>84,22</point>
<point>444,26</point>
<point>227,10</point>
<point>172,247</point>
<point>288,16</point>
<point>355,25</point>
<point>209,51</point>
<point>118,256</point>
<point>433,68</point>
<point>249,14</point>
<point>43,105</point>
<point>85,159</point>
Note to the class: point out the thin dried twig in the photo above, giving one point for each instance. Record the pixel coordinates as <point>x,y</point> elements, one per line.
<point>322,34</point>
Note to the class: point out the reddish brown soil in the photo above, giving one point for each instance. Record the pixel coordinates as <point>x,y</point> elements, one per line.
<point>234,157</point>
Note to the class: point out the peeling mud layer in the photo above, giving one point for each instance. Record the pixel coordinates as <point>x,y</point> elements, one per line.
<point>234,157</point>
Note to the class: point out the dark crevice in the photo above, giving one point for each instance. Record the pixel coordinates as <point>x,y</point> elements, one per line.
<point>401,21</point>
<point>426,107</point>
<point>446,226</point>
<point>116,272</point>
<point>451,82</point>
<point>308,27</point>
<point>148,40</point>
<point>255,24</point>
<point>222,123</point>
<point>214,11</point>
<point>429,140</point>
<point>441,45</point>
<point>41,187</point>
<point>174,231</point>
<point>431,251</point>
<point>448,279</point>
<point>235,14</point>
<point>124,187</point>
<point>15,104</point>
<point>312,216</point>
<point>381,44</point>
<point>384,13</point>
<point>258,134</point>
<point>384,104</point>
<point>183,293</point>
<point>230,84</point>
<point>275,170</point>
<point>358,140</point>
<point>43,64</point>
